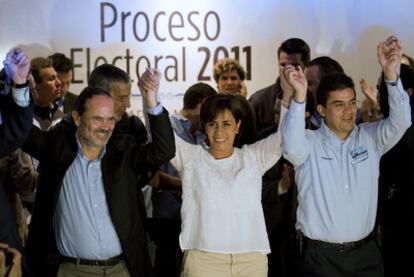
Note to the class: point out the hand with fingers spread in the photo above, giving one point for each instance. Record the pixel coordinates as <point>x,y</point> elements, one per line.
<point>370,92</point>
<point>389,57</point>
<point>296,79</point>
<point>17,66</point>
<point>370,110</point>
<point>148,84</point>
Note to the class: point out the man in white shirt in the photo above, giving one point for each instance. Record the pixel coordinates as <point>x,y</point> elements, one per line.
<point>337,168</point>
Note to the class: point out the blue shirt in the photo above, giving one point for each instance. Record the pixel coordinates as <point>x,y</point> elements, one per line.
<point>182,128</point>
<point>83,224</point>
<point>337,179</point>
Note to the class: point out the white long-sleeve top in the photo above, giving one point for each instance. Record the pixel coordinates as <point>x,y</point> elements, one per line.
<point>221,210</point>
<point>337,179</point>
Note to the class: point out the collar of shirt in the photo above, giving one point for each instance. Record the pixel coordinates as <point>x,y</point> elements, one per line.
<point>82,154</point>
<point>183,129</point>
<point>328,133</point>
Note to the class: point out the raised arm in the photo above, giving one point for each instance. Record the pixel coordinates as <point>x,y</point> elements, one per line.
<point>16,118</point>
<point>389,57</point>
<point>390,130</point>
<point>295,145</point>
<point>162,147</point>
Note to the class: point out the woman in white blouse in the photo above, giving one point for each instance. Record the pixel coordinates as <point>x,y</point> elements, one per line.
<point>223,230</point>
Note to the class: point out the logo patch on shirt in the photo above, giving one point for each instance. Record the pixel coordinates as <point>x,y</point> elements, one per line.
<point>359,154</point>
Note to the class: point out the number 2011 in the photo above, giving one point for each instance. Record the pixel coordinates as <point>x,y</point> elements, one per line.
<point>222,52</point>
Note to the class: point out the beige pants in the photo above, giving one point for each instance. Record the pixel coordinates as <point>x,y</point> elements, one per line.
<point>67,269</point>
<point>206,264</point>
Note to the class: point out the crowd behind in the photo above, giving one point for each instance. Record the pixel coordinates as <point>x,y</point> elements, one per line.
<point>300,179</point>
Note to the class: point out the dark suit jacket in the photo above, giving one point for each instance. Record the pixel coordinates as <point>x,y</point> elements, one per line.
<point>122,166</point>
<point>69,102</point>
<point>263,102</point>
<point>132,125</point>
<point>14,130</point>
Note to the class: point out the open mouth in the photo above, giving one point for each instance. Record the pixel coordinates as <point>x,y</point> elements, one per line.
<point>219,140</point>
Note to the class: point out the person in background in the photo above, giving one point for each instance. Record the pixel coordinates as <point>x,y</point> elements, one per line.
<point>293,51</point>
<point>46,89</point>
<point>64,69</point>
<point>229,76</point>
<point>395,224</point>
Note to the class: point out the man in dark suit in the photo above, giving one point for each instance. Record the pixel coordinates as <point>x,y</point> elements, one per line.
<point>87,216</point>
<point>16,116</point>
<point>64,69</point>
<point>293,51</point>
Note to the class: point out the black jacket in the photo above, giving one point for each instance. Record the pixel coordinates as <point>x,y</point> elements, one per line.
<point>15,127</point>
<point>122,165</point>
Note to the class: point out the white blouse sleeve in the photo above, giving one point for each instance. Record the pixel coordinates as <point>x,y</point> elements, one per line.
<point>184,152</point>
<point>269,150</point>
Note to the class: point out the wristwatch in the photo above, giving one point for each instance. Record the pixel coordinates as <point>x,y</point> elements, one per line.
<point>392,83</point>
<point>21,85</point>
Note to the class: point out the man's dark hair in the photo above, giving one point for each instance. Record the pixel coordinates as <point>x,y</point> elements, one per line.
<point>61,63</point>
<point>106,75</point>
<point>331,82</point>
<point>196,94</point>
<point>86,94</point>
<point>326,65</point>
<point>36,65</point>
<point>295,46</point>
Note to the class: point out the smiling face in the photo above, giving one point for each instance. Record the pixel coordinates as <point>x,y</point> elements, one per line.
<point>96,124</point>
<point>229,81</point>
<point>340,111</point>
<point>221,132</point>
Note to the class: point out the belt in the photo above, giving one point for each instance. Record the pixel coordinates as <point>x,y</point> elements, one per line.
<point>339,246</point>
<point>108,262</point>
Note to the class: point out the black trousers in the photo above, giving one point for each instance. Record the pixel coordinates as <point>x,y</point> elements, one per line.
<point>328,261</point>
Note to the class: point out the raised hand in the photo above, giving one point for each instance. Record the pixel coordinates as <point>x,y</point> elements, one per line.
<point>17,65</point>
<point>286,88</point>
<point>296,79</point>
<point>389,57</point>
<point>148,84</point>
<point>370,92</point>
